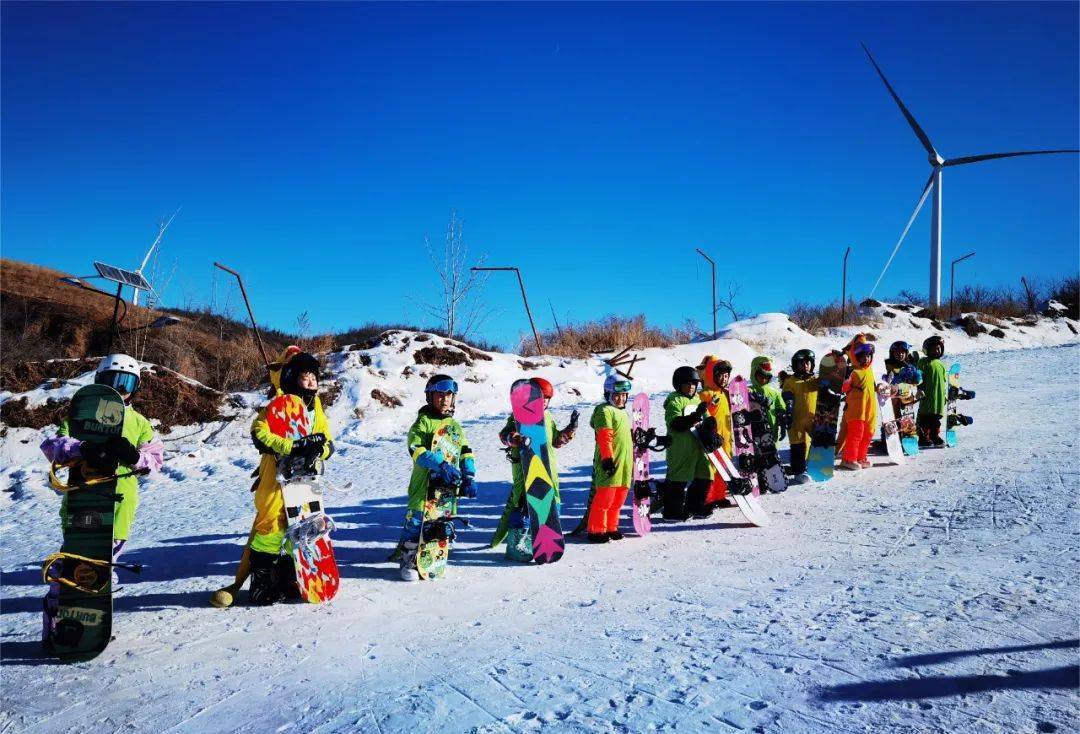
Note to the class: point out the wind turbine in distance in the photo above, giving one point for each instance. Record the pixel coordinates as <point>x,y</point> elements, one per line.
<point>934,182</point>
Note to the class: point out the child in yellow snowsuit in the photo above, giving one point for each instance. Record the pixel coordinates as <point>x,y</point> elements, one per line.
<point>800,391</point>
<point>860,410</point>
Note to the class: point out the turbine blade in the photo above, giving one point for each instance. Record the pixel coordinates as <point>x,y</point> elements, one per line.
<point>919,133</point>
<point>991,156</point>
<point>918,208</point>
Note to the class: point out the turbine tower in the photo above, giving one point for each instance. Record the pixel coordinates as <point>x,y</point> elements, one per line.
<point>938,164</point>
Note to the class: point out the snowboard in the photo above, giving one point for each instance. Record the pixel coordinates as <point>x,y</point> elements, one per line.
<point>513,527</point>
<point>80,626</point>
<point>718,489</point>
<point>642,437</point>
<point>527,403</point>
<point>742,433</point>
<point>889,427</point>
<point>770,470</point>
<point>821,459</point>
<point>437,530</point>
<point>307,526</point>
<point>953,418</point>
<point>905,403</point>
<point>739,486</point>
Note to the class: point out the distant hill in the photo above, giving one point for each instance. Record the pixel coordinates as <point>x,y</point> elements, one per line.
<point>44,319</point>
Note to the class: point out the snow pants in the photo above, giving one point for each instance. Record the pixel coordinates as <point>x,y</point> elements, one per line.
<point>857,440</point>
<point>798,458</point>
<point>929,428</point>
<point>605,508</point>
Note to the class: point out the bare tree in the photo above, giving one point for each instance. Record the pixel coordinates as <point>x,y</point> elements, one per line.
<point>1031,295</point>
<point>460,311</point>
<point>728,304</point>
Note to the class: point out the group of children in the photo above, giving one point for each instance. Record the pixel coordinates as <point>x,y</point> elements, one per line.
<point>699,397</point>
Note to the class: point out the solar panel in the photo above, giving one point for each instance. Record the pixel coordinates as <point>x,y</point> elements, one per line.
<point>119,275</point>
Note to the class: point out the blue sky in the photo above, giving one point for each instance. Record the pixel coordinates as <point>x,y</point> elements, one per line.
<point>595,146</point>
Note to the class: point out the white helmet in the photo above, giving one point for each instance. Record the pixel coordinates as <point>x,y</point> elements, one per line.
<point>119,372</point>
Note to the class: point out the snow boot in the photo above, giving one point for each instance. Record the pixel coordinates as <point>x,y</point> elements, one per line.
<point>615,535</point>
<point>598,537</point>
<point>799,479</point>
<point>675,501</point>
<point>286,573</point>
<point>265,589</point>
<point>408,569</point>
<point>865,463</point>
<point>850,465</point>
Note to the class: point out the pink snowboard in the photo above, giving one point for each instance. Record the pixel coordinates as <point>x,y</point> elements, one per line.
<point>641,493</point>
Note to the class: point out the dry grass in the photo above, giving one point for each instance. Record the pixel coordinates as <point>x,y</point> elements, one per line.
<point>613,332</point>
<point>814,318</point>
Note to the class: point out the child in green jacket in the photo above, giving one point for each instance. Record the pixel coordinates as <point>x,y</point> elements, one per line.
<point>763,392</point>
<point>430,462</point>
<point>935,390</point>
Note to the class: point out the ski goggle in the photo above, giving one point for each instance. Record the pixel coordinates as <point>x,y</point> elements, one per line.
<point>123,382</point>
<point>621,386</point>
<point>443,386</point>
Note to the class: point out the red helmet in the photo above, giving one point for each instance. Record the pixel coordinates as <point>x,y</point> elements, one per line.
<point>545,387</point>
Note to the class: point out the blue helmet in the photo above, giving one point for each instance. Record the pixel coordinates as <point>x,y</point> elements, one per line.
<point>616,383</point>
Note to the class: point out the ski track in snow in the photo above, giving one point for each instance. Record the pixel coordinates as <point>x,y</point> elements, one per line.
<point>938,596</point>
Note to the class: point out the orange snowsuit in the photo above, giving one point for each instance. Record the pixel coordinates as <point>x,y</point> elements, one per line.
<point>719,408</point>
<point>860,413</point>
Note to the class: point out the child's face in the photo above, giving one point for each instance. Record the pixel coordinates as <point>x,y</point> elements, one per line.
<point>308,381</point>
<point>725,378</point>
<point>618,399</point>
<point>443,401</point>
<point>863,360</point>
<point>802,366</point>
<point>688,389</point>
<point>936,351</point>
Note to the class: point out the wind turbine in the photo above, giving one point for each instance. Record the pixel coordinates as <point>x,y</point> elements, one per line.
<point>161,233</point>
<point>938,164</point>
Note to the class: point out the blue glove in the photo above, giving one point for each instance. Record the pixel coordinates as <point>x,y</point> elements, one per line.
<point>448,474</point>
<point>468,487</point>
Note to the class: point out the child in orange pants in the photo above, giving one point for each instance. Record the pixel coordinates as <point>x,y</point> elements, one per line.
<point>860,412</point>
<point>613,461</point>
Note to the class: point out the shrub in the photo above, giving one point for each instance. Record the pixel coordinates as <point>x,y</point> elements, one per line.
<point>613,332</point>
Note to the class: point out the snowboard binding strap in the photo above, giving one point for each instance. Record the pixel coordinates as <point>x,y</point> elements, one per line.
<point>96,563</point>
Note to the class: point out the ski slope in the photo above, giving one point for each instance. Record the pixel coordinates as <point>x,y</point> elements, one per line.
<point>937,596</point>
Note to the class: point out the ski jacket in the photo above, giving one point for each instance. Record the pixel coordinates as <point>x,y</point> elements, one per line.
<point>138,431</point>
<point>269,526</point>
<point>423,429</point>
<point>613,441</point>
<point>555,438</point>
<point>804,392</point>
<point>686,458</point>
<point>935,387</point>
<point>717,400</point>
<point>861,402</point>
<point>770,399</point>
<point>901,372</point>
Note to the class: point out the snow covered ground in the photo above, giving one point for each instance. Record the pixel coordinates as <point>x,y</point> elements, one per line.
<point>938,596</point>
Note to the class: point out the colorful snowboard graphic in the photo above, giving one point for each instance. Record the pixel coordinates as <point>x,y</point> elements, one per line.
<point>81,626</point>
<point>905,403</point>
<point>953,418</point>
<point>440,508</point>
<point>770,471</point>
<point>642,491</point>
<point>739,488</point>
<point>742,434</point>
<point>307,527</point>
<point>821,460</point>
<point>527,403</point>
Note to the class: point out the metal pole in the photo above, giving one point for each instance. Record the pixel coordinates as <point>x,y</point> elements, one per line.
<point>952,279</point>
<point>555,318</point>
<point>843,287</point>
<point>254,326</point>
<point>525,299</point>
<point>115,311</point>
<point>713,266</point>
<point>935,242</point>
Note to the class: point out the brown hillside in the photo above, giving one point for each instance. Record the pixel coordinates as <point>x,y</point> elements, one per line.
<point>44,319</point>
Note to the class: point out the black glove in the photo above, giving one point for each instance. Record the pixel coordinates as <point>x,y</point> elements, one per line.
<point>122,450</point>
<point>309,447</point>
<point>701,410</point>
<point>913,357</point>
<point>608,465</point>
<point>98,457</point>
<point>572,425</point>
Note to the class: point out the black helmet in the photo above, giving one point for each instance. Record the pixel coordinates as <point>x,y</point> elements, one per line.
<point>807,354</point>
<point>297,365</point>
<point>684,375</point>
<point>897,346</point>
<point>935,339</point>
